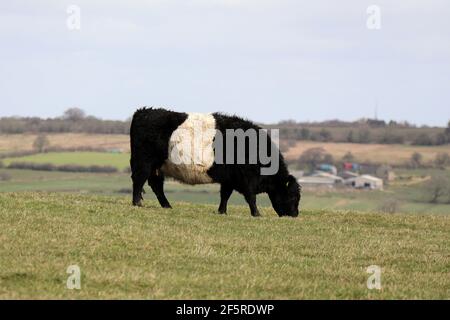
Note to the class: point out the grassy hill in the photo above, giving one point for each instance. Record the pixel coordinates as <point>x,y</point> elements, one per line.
<point>117,160</point>
<point>190,252</point>
<point>410,198</point>
<point>393,154</point>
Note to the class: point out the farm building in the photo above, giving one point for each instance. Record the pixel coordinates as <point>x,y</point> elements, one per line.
<point>327,168</point>
<point>350,166</point>
<point>320,179</point>
<point>349,174</point>
<point>311,181</point>
<point>365,182</point>
<point>337,179</point>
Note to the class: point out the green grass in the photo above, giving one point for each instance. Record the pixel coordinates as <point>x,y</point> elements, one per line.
<point>118,160</point>
<point>190,252</point>
<point>109,184</point>
<point>30,180</point>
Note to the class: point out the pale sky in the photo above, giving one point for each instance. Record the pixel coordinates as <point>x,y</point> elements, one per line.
<point>265,60</point>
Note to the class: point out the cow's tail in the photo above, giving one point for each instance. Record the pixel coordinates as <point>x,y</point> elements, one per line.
<point>132,144</point>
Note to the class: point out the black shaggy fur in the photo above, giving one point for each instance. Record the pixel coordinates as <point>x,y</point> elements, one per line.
<point>149,136</point>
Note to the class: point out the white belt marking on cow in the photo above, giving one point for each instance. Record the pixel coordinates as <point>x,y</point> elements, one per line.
<point>191,151</point>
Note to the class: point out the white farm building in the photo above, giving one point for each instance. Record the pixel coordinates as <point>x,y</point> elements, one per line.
<point>365,181</point>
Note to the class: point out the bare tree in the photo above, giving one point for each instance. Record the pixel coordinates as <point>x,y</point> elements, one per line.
<point>416,160</point>
<point>447,131</point>
<point>41,143</point>
<point>310,158</point>
<point>348,157</point>
<point>437,187</point>
<point>74,114</point>
<point>442,160</point>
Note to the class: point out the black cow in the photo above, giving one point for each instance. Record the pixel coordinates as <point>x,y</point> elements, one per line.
<point>160,138</point>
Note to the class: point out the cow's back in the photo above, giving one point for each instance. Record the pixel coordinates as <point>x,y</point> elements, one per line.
<point>150,132</point>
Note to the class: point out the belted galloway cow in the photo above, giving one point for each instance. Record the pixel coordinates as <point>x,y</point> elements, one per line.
<point>196,148</point>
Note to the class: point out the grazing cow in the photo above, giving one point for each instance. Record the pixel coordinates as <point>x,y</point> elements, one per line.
<point>163,143</point>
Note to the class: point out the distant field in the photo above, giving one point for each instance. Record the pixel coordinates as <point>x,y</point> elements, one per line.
<point>411,198</point>
<point>118,160</point>
<point>20,142</point>
<point>378,153</point>
<point>190,252</point>
<point>409,194</point>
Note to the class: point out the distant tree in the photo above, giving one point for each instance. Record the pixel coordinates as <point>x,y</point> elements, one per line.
<point>423,139</point>
<point>41,143</point>
<point>350,137</point>
<point>437,187</point>
<point>313,136</point>
<point>441,138</point>
<point>442,160</point>
<point>310,158</point>
<point>416,160</point>
<point>305,133</point>
<point>325,135</point>
<point>447,133</point>
<point>392,123</point>
<point>328,158</point>
<point>390,138</point>
<point>364,136</point>
<point>288,122</point>
<point>348,157</point>
<point>74,114</point>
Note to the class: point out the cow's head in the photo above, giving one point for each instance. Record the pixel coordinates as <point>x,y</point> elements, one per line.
<point>285,197</point>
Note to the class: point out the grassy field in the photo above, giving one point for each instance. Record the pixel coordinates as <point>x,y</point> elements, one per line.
<point>410,195</point>
<point>411,198</point>
<point>191,252</point>
<point>375,153</point>
<point>118,160</point>
<point>24,142</point>
<point>380,153</point>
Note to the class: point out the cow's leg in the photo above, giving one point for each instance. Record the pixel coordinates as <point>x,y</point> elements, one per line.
<point>225,193</point>
<point>156,182</point>
<point>139,176</point>
<point>251,200</point>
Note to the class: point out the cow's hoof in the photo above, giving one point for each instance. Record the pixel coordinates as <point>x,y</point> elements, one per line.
<point>137,204</point>
<point>221,212</point>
